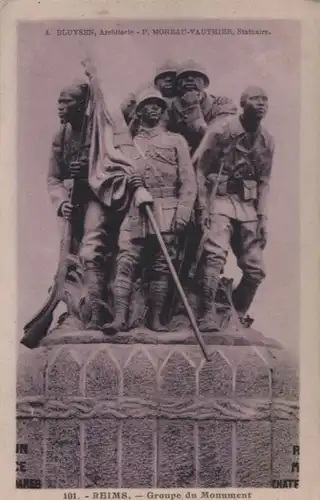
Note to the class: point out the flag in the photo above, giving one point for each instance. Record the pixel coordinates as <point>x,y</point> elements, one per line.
<point>112,156</point>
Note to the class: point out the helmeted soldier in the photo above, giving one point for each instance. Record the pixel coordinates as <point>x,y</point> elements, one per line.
<point>165,79</point>
<point>193,108</point>
<point>165,82</point>
<point>95,227</point>
<point>168,176</point>
<point>234,163</point>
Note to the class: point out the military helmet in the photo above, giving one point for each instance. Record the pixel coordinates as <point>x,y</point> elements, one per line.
<point>167,68</point>
<point>193,67</point>
<point>150,94</point>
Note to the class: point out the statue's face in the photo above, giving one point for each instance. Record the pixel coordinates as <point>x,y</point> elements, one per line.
<point>68,107</point>
<point>191,81</point>
<point>150,112</point>
<point>255,103</point>
<point>166,83</point>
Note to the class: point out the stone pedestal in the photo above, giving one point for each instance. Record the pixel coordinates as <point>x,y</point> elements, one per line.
<point>142,416</point>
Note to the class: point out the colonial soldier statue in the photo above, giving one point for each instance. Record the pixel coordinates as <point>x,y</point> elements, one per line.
<point>95,226</point>
<point>193,108</point>
<point>165,83</point>
<point>168,176</point>
<point>234,164</point>
<point>165,79</point>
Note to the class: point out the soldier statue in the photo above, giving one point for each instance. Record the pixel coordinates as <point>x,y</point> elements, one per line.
<point>165,82</point>
<point>234,164</point>
<point>169,177</point>
<point>95,226</point>
<point>193,108</point>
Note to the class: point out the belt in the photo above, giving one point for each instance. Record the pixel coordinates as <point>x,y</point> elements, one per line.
<point>234,186</point>
<point>163,192</point>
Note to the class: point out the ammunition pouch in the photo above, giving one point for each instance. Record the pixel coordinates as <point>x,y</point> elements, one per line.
<point>250,190</point>
<point>246,189</point>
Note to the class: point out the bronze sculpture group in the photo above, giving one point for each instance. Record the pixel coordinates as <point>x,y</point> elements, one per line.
<point>157,198</point>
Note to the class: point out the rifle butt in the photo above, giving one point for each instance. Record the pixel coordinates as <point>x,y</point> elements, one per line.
<point>36,330</point>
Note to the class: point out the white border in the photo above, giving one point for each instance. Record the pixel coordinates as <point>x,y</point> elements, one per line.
<point>305,10</point>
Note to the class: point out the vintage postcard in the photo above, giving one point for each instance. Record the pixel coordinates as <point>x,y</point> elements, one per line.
<point>160,274</point>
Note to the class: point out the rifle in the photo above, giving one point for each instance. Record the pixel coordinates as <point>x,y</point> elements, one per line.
<point>36,329</point>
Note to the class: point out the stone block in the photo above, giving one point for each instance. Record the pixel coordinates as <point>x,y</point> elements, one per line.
<point>138,453</point>
<point>30,433</point>
<point>215,454</point>
<point>177,377</point>
<point>285,435</point>
<point>101,453</point>
<point>139,375</point>
<point>218,369</point>
<point>63,467</point>
<point>253,454</point>
<point>177,454</point>
<point>102,376</point>
<point>63,375</point>
<point>253,376</point>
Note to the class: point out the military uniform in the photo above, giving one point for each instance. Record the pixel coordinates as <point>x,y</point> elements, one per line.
<point>169,177</point>
<point>167,68</point>
<point>191,112</point>
<point>65,149</point>
<point>234,170</point>
<point>192,121</point>
<point>97,219</point>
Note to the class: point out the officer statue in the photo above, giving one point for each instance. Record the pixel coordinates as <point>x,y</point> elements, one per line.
<point>234,166</point>
<point>169,177</point>
<point>193,108</point>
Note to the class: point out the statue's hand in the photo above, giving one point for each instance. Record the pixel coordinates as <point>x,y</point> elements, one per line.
<point>66,210</point>
<point>262,231</point>
<point>142,197</point>
<point>78,169</point>
<point>191,97</point>
<point>135,181</point>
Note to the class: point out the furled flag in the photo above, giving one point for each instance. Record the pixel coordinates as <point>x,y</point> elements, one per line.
<point>112,153</point>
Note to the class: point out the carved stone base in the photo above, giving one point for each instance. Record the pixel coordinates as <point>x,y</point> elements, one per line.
<point>102,415</point>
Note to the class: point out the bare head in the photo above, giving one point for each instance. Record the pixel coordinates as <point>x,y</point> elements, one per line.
<point>72,102</point>
<point>254,102</point>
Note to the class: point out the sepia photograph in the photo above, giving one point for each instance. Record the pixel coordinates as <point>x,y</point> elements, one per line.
<point>158,254</point>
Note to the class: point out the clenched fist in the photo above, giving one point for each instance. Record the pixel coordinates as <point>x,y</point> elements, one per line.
<point>135,181</point>
<point>66,210</point>
<point>262,231</point>
<point>191,98</point>
<point>178,225</point>
<point>142,197</point>
<point>78,169</point>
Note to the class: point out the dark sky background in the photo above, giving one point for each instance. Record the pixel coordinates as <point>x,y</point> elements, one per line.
<point>47,63</point>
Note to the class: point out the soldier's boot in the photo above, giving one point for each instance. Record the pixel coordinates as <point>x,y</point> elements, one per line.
<point>242,298</point>
<point>208,320</point>
<point>122,293</point>
<point>94,279</point>
<point>158,293</point>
